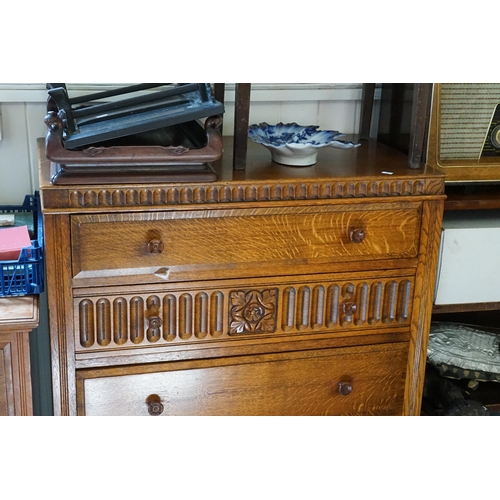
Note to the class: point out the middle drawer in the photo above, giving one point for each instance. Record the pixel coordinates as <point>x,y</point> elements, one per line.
<point>342,304</point>
<point>152,247</point>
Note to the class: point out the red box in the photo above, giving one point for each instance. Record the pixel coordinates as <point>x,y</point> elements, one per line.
<point>12,241</point>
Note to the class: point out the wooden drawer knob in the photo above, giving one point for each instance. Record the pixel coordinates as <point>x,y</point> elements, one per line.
<point>345,388</point>
<point>357,235</point>
<point>349,308</point>
<point>155,246</point>
<point>155,407</point>
<point>154,322</point>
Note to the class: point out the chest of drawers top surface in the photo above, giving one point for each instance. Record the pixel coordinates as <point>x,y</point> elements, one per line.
<point>370,171</point>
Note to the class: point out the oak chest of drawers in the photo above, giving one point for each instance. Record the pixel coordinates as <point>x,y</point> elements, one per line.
<point>271,291</point>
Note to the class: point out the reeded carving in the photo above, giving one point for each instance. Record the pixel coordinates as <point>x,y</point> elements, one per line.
<point>207,315</point>
<point>201,316</point>
<point>351,305</point>
<point>136,320</point>
<point>120,321</point>
<point>87,324</point>
<point>253,311</point>
<point>169,317</point>
<point>154,322</point>
<point>214,193</point>
<point>103,322</point>
<point>185,317</point>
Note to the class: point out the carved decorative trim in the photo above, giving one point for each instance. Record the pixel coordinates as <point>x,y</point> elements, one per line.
<point>253,311</point>
<point>165,318</point>
<point>214,193</point>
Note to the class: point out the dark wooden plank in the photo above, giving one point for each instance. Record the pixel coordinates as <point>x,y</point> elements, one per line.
<point>367,99</point>
<point>458,308</point>
<point>420,122</point>
<point>472,197</point>
<point>241,117</point>
<point>219,91</point>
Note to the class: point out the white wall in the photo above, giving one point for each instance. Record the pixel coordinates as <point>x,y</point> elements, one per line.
<point>22,110</point>
<point>21,123</point>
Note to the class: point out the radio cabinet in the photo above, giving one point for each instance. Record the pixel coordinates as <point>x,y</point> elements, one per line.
<point>270,291</point>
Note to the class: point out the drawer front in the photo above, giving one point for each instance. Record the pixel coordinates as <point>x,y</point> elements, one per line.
<point>332,303</point>
<point>354,381</point>
<point>194,245</point>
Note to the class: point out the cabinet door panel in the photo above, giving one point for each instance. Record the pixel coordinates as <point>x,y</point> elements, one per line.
<point>6,380</point>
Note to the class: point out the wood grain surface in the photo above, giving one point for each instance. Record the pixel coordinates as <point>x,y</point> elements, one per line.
<point>305,383</point>
<point>236,243</point>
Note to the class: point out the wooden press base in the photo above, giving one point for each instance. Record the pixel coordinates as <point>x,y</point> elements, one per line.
<point>64,175</point>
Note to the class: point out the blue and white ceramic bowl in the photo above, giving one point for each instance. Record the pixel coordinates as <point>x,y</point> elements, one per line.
<point>296,145</point>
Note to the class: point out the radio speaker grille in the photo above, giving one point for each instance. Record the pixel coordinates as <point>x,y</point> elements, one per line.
<point>466,113</point>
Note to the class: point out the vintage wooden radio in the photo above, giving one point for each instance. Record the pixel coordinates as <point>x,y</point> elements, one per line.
<point>464,131</point>
<point>462,127</point>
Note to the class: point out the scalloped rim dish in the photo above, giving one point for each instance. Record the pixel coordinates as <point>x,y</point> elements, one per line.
<point>296,145</point>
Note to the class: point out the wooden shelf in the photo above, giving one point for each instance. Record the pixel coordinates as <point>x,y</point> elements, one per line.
<point>472,197</point>
<point>463,308</point>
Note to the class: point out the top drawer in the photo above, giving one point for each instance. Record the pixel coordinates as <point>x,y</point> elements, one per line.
<point>152,247</point>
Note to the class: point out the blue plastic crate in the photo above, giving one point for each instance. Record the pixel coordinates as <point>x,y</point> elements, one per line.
<point>25,276</point>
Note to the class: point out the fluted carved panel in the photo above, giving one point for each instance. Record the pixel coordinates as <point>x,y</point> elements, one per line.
<point>271,191</point>
<point>204,316</point>
<point>358,304</point>
<point>150,319</point>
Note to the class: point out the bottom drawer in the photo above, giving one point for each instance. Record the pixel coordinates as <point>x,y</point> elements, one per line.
<point>366,380</point>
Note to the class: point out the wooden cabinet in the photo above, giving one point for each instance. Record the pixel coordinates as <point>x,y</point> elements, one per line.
<point>271,291</point>
<point>18,316</point>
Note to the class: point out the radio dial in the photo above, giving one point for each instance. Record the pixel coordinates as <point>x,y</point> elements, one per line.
<point>495,137</point>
